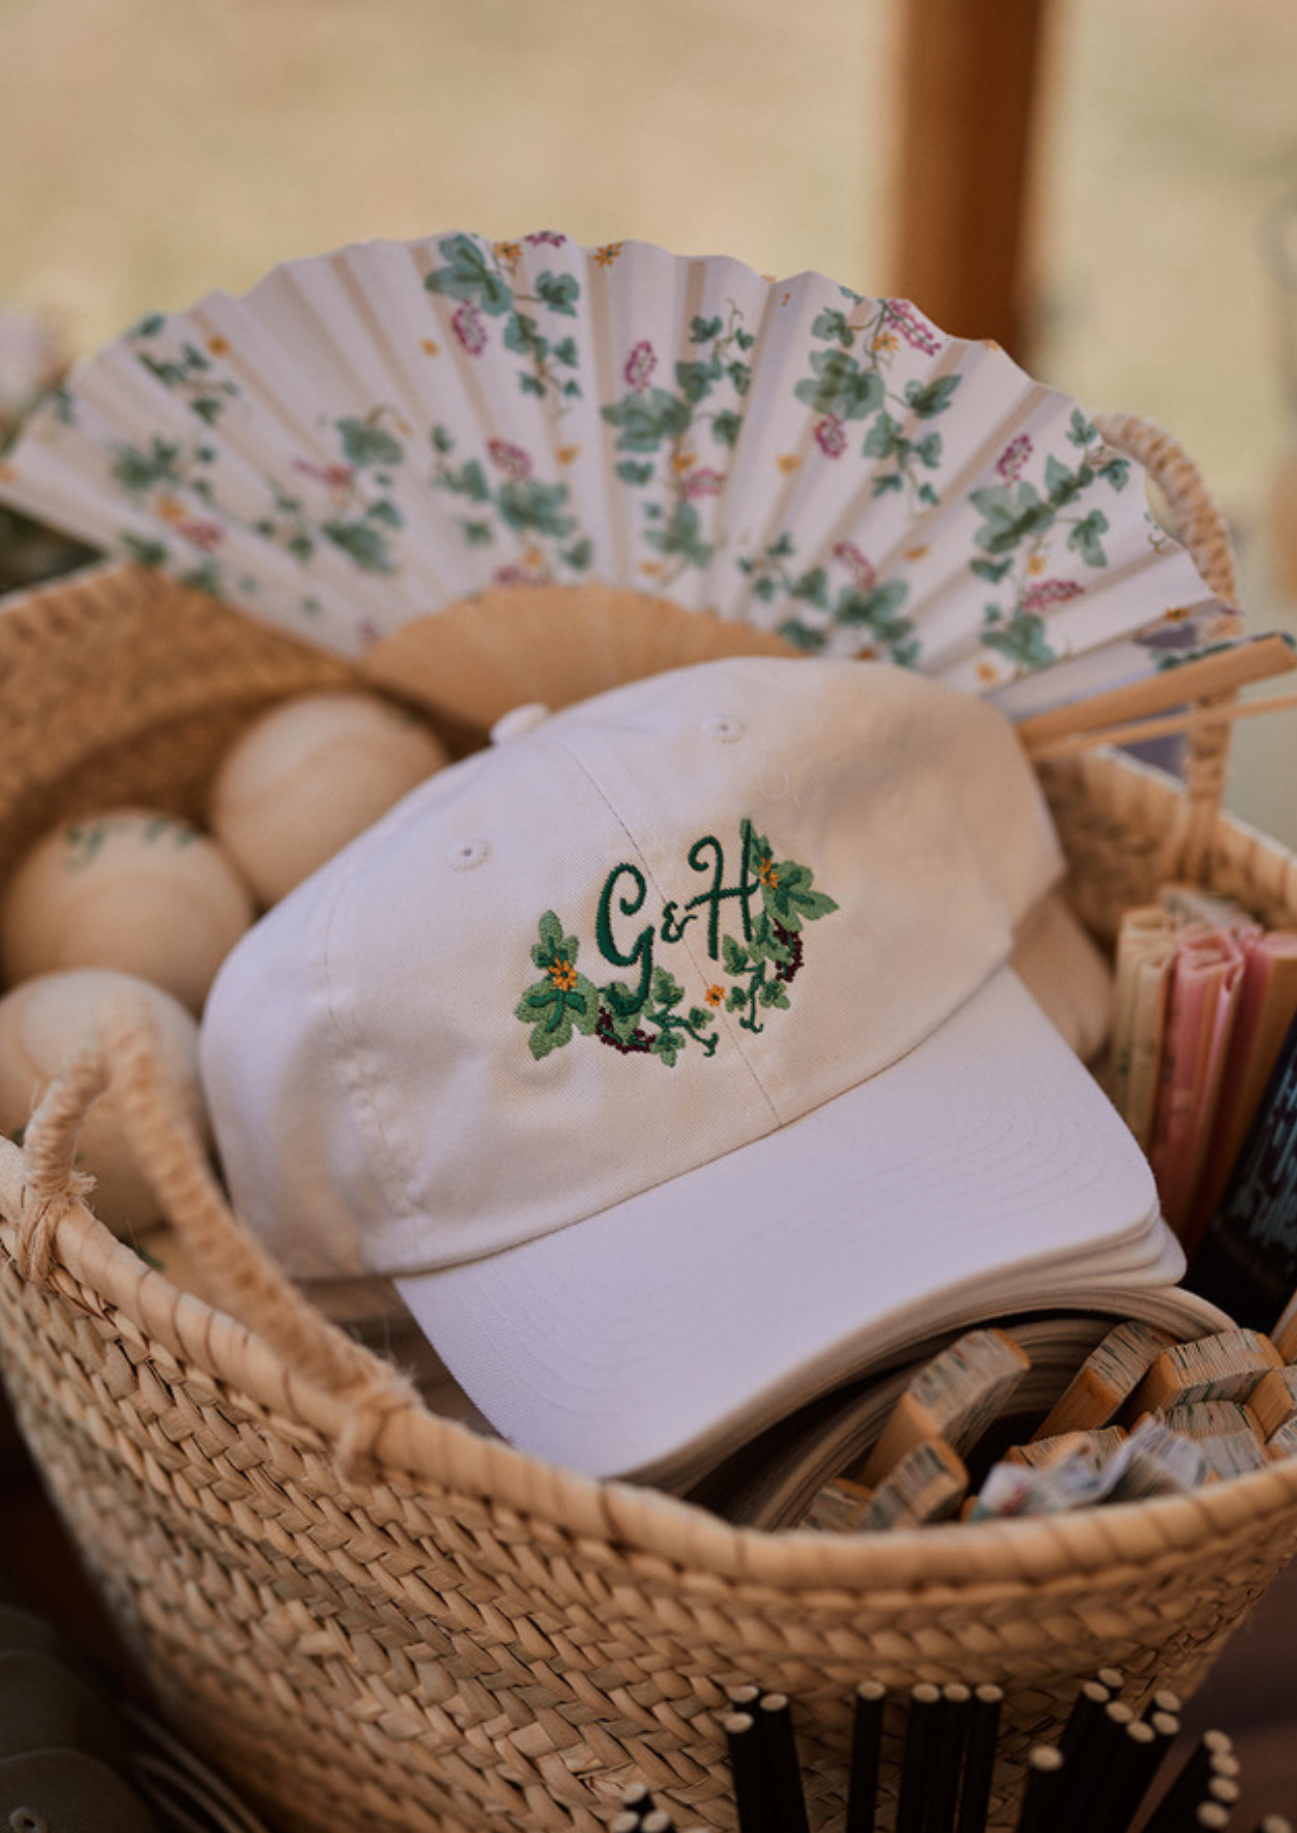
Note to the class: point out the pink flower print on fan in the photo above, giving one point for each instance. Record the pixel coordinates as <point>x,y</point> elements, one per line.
<point>703,482</point>
<point>510,459</point>
<point>519,575</point>
<point>1012,460</point>
<point>1050,592</point>
<point>205,536</point>
<point>640,365</point>
<point>847,554</point>
<point>467,324</point>
<point>546,238</point>
<point>335,477</point>
<point>831,436</point>
<point>913,327</point>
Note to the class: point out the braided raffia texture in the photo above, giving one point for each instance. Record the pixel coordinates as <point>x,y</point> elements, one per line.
<point>1128,829</point>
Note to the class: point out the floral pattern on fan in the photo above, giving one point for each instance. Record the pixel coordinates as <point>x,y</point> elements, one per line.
<point>369,436</point>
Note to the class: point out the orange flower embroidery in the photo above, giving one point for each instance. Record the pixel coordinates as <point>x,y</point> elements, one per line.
<point>563,975</point>
<point>605,256</point>
<point>714,996</point>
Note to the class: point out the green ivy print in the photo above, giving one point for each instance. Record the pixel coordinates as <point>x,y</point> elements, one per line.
<point>675,438</point>
<point>654,1019</point>
<point>849,391</point>
<point>869,392</point>
<point>191,372</point>
<point>508,496</point>
<point>845,593</point>
<point>84,841</point>
<point>1019,526</point>
<point>849,384</point>
<point>481,279</point>
<point>364,514</point>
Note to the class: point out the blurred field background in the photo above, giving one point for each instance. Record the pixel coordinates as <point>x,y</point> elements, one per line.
<point>151,151</point>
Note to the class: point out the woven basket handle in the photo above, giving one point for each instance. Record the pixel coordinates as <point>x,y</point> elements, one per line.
<point>122,1056</point>
<point>1197,523</point>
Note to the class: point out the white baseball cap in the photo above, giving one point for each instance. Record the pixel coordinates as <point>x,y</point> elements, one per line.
<point>664,1055</point>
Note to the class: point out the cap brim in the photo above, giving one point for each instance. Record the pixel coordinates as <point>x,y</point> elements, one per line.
<point>984,1173</point>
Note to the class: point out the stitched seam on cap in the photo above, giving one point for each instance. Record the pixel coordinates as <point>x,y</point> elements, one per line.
<point>365,1075</point>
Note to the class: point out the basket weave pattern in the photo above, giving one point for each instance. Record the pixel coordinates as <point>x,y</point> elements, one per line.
<point>455,1636</point>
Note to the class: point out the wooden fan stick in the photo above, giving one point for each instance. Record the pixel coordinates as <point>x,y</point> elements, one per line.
<point>1139,731</point>
<point>1208,676</point>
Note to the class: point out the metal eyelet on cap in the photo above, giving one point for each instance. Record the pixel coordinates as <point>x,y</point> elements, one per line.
<point>465,854</point>
<point>724,728</point>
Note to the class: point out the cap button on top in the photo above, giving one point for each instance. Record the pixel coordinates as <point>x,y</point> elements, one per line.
<point>518,721</point>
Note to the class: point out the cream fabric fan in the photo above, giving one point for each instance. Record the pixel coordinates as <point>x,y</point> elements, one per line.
<point>495,472</point>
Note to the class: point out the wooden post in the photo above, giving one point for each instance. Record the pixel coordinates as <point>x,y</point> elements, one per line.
<point>970,80</point>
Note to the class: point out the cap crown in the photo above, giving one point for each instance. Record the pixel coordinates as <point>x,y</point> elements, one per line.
<point>622,942</point>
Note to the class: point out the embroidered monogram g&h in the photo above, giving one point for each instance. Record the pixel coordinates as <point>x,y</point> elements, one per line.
<point>759,964</point>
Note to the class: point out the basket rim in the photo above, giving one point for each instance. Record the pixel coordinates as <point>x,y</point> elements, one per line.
<point>104,1276</point>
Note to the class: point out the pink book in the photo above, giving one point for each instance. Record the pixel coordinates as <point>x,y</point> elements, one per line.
<point>1205,984</point>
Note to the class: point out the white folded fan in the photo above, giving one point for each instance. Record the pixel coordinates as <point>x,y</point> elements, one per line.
<point>495,472</point>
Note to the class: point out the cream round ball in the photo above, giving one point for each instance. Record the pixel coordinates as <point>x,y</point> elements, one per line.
<point>130,889</point>
<point>311,774</point>
<point>43,1022</point>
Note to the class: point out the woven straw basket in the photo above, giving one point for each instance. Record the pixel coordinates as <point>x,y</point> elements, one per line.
<point>369,1616</point>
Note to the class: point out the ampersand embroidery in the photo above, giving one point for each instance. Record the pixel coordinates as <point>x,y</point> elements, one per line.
<point>772,901</point>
